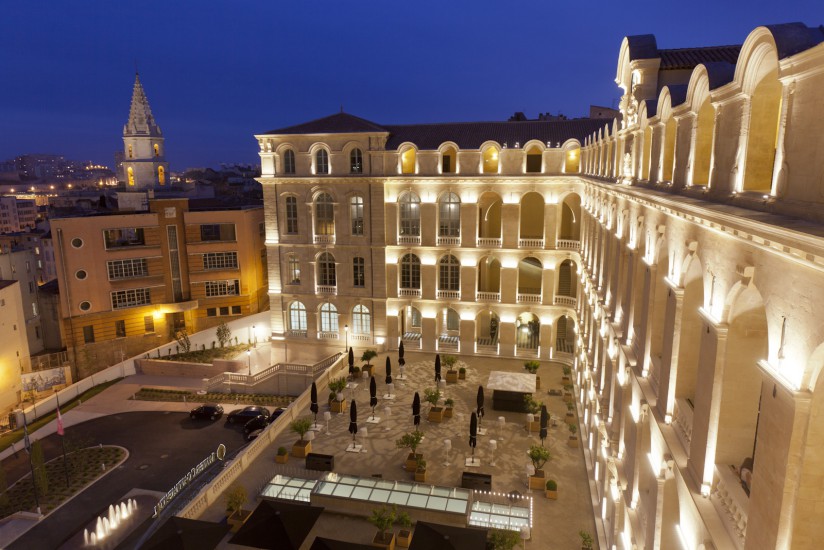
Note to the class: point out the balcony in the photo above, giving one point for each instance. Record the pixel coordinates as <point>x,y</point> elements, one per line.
<point>449,294</point>
<point>731,503</point>
<point>682,422</point>
<point>324,239</point>
<point>566,301</point>
<point>296,334</point>
<point>449,241</point>
<point>567,244</point>
<point>487,242</point>
<point>449,343</point>
<point>328,335</point>
<point>360,337</point>
<point>326,290</point>
<point>412,340</point>
<point>530,243</point>
<point>487,296</point>
<point>409,239</point>
<point>409,292</point>
<point>529,296</point>
<point>485,345</point>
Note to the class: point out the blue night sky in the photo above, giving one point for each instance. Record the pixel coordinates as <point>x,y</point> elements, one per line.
<point>218,72</point>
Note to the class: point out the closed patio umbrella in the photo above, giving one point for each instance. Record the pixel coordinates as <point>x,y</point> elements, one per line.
<point>416,410</point>
<point>401,360</point>
<point>473,433</point>
<point>373,395</point>
<point>544,423</point>
<point>351,362</point>
<point>388,371</point>
<point>437,367</point>
<point>480,403</point>
<point>353,420</point>
<point>314,405</point>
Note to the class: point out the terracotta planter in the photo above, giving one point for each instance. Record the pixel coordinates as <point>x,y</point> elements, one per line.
<point>338,406</point>
<point>461,375</point>
<point>411,462</point>
<point>404,538</point>
<point>301,448</point>
<point>386,541</point>
<point>435,414</point>
<point>451,377</point>
<point>573,441</point>
<point>282,459</point>
<point>447,412</point>
<point>237,519</point>
<point>538,481</point>
<point>551,495</point>
<point>420,476</point>
<point>368,369</point>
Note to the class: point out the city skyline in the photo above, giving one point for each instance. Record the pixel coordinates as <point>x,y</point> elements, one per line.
<point>212,88</point>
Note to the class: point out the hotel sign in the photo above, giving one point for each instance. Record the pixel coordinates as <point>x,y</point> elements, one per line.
<point>219,454</point>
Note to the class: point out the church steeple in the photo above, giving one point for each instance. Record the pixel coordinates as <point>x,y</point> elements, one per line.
<point>144,162</point>
<point>141,121</point>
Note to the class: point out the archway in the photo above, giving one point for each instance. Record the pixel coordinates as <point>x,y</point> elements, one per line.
<point>486,328</point>
<point>568,279</point>
<point>565,334</point>
<point>410,323</point>
<point>489,216</point>
<point>489,275</point>
<point>703,143</point>
<point>570,226</point>
<point>532,216</point>
<point>530,271</point>
<point>765,106</point>
<point>527,331</point>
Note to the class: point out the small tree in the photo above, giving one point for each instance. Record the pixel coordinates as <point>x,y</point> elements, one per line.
<point>183,341</point>
<point>336,385</point>
<point>504,539</point>
<point>432,396</point>
<point>410,441</point>
<point>532,406</point>
<point>41,479</point>
<point>223,333</point>
<point>567,370</point>
<point>539,456</point>
<point>586,539</point>
<point>300,426</point>
<point>367,356</point>
<point>449,402</point>
<point>573,429</point>
<point>532,366</point>
<point>449,361</point>
<point>383,518</point>
<point>234,498</point>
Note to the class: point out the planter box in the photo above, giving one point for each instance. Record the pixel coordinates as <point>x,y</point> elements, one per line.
<point>534,426</point>
<point>337,406</point>
<point>570,418</point>
<point>236,520</point>
<point>387,542</point>
<point>573,442</point>
<point>435,414</point>
<point>551,495</point>
<point>404,538</point>
<point>566,380</point>
<point>368,369</point>
<point>411,462</point>
<point>282,459</point>
<point>461,375</point>
<point>538,481</point>
<point>447,412</point>
<point>537,382</point>
<point>420,477</point>
<point>451,377</point>
<point>567,397</point>
<point>301,449</point>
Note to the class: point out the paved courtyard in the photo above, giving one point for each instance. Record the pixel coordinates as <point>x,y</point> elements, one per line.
<point>555,523</point>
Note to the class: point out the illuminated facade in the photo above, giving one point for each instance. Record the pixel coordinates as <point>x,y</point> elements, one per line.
<point>144,163</point>
<point>14,353</point>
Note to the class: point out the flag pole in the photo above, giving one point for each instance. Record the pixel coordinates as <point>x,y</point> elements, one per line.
<point>61,433</point>
<point>27,444</point>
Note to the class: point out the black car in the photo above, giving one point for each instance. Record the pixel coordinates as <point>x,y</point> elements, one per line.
<point>259,422</point>
<point>242,416</point>
<point>210,411</point>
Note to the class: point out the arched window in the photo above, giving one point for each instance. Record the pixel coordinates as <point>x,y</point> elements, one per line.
<point>410,272</point>
<point>534,160</point>
<point>328,318</point>
<point>356,214</point>
<point>297,316</point>
<point>131,151</point>
<point>356,162</point>
<point>321,162</point>
<point>324,215</point>
<point>161,175</point>
<point>361,320</point>
<point>449,159</point>
<point>326,270</point>
<point>156,150</point>
<point>449,215</point>
<point>449,273</point>
<point>453,320</point>
<point>408,161</point>
<point>490,159</point>
<point>289,162</point>
<point>410,215</point>
<point>130,175</point>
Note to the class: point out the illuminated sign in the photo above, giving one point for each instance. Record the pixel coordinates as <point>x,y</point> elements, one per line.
<point>219,454</point>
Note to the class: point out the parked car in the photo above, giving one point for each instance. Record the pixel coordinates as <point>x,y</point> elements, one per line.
<point>210,411</point>
<point>253,434</point>
<point>259,422</point>
<point>244,415</point>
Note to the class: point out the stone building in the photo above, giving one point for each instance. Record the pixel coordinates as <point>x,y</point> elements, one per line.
<point>144,163</point>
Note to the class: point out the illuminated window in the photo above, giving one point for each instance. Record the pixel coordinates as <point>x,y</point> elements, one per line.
<point>291,215</point>
<point>222,288</point>
<point>449,271</point>
<point>490,158</point>
<point>156,150</point>
<point>356,214</point>
<point>572,161</point>
<point>324,215</point>
<point>358,272</point>
<point>328,318</point>
<point>297,316</point>
<point>161,175</point>
<point>356,162</point>
<point>410,272</point>
<point>130,174</point>
<point>322,162</point>
<point>289,162</point>
<point>294,270</point>
<point>361,320</point>
<point>449,215</point>
<point>408,161</point>
<point>453,320</point>
<point>410,215</point>
<point>130,152</point>
<point>326,270</point>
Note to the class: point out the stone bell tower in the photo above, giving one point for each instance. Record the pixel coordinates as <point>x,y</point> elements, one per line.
<point>144,156</point>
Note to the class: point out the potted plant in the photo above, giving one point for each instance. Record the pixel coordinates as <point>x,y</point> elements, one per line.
<point>573,436</point>
<point>367,357</point>
<point>383,518</point>
<point>533,407</point>
<point>420,470</point>
<point>566,378</point>
<point>462,373</point>
<point>337,403</point>
<point>404,536</point>
<point>433,397</point>
<point>586,540</point>
<point>568,393</point>
<point>539,456</point>
<point>532,368</point>
<point>504,539</point>
<point>570,414</point>
<point>283,455</point>
<point>356,372</point>
<point>551,489</point>
<point>410,441</point>
<point>451,373</point>
<point>301,448</point>
<point>449,404</point>
<point>235,498</point>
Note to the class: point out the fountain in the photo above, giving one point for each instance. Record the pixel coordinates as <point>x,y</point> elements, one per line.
<point>108,523</point>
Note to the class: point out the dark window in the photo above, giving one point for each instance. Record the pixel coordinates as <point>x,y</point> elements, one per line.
<point>88,334</point>
<point>289,162</point>
<point>148,323</point>
<point>447,165</point>
<point>292,215</point>
<point>533,163</point>
<point>120,329</point>
<point>224,310</point>
<point>217,232</point>
<point>358,272</point>
<point>211,312</point>
<point>356,161</point>
<point>410,272</point>
<point>236,310</point>
<point>322,162</point>
<point>326,270</point>
<point>123,237</point>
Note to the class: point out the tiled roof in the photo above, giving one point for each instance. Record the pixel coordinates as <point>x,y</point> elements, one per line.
<point>339,123</point>
<point>688,58</point>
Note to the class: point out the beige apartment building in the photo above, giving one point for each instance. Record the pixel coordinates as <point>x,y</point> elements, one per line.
<point>129,282</point>
<point>674,256</point>
<point>14,353</point>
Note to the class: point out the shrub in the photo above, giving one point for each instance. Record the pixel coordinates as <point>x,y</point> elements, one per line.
<point>539,456</point>
<point>504,539</point>
<point>368,355</point>
<point>462,370</point>
<point>532,366</point>
<point>586,539</point>
<point>383,518</point>
<point>567,370</point>
<point>410,441</point>
<point>223,333</point>
<point>420,464</point>
<point>551,485</point>
<point>449,361</point>
<point>300,426</point>
<point>183,341</point>
<point>570,406</point>
<point>282,451</point>
<point>449,402</point>
<point>573,429</point>
<point>234,498</point>
<point>432,396</point>
<point>337,385</point>
<point>531,405</point>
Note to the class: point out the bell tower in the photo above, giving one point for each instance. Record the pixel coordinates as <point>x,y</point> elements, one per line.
<point>144,157</point>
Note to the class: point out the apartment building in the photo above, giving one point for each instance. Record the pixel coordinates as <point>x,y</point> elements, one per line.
<point>14,353</point>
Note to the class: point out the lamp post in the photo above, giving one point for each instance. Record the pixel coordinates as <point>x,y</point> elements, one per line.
<point>254,337</point>
<point>249,360</point>
<point>346,335</point>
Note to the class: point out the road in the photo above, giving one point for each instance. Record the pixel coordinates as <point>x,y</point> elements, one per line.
<point>163,446</point>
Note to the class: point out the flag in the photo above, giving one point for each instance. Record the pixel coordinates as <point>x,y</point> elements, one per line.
<point>59,423</point>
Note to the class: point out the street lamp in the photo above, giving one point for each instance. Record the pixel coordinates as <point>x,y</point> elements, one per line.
<point>254,336</point>
<point>249,360</point>
<point>346,333</point>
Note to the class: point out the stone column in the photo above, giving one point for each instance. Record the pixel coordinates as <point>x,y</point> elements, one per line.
<point>467,336</point>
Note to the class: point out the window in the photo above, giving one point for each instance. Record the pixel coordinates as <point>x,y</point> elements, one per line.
<point>321,162</point>
<point>453,321</point>
<point>297,316</point>
<point>34,308</point>
<point>220,260</point>
<point>148,324</point>
<point>81,274</point>
<point>361,320</point>
<point>490,160</point>
<point>126,269</point>
<point>328,318</point>
<point>449,215</point>
<point>161,175</point>
<point>77,243</point>
<point>289,162</point>
<point>217,232</point>
<point>28,266</point>
<point>358,272</point>
<point>448,160</point>
<point>291,215</point>
<point>156,150</point>
<point>222,288</point>
<point>211,312</point>
<point>131,151</point>
<point>356,162</point>
<point>408,161</point>
<point>124,237</point>
<point>131,298</point>
<point>415,317</point>
<point>446,167</point>
<point>356,214</point>
<point>120,329</point>
<point>224,310</point>
<point>324,215</point>
<point>410,272</point>
<point>294,270</point>
<point>534,160</point>
<point>88,334</point>
<point>31,287</point>
<point>410,214</point>
<point>235,310</point>
<point>85,306</point>
<point>449,273</point>
<point>326,270</point>
<point>130,175</point>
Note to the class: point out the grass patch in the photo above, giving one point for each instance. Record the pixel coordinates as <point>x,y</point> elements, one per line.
<point>206,355</point>
<point>16,435</point>
<point>84,466</point>
<point>156,394</point>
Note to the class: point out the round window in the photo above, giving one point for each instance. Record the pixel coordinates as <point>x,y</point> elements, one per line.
<point>80,274</point>
<point>85,306</point>
<point>77,243</point>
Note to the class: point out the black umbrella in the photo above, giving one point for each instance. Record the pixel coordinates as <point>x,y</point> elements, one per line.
<point>544,423</point>
<point>433,536</point>
<point>416,410</point>
<point>401,360</point>
<point>473,433</point>
<point>314,398</point>
<point>351,362</point>
<point>388,371</point>
<point>353,420</point>
<point>277,525</point>
<point>373,395</point>
<point>186,534</point>
<point>480,402</point>
<point>437,367</point>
